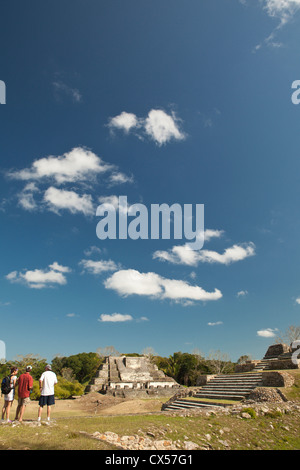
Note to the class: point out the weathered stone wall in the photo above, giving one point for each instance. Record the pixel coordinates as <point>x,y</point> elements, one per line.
<point>246,367</point>
<point>276,349</point>
<point>277,379</point>
<point>283,364</point>
<point>203,379</point>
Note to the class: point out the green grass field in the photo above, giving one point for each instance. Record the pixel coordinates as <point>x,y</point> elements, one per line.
<point>269,433</point>
<point>277,431</point>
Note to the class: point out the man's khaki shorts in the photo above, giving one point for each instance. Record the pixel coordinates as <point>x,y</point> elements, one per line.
<point>23,401</point>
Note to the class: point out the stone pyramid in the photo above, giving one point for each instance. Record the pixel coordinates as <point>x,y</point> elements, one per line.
<point>127,376</point>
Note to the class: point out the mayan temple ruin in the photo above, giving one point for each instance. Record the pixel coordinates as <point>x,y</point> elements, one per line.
<point>122,376</point>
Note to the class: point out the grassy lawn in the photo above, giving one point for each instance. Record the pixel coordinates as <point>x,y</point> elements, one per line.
<point>272,433</point>
<point>275,431</point>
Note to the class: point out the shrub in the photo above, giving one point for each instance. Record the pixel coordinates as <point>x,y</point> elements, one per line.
<point>250,411</point>
<point>274,414</point>
<point>63,389</point>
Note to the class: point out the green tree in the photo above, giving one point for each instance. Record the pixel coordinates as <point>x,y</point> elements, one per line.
<point>81,367</point>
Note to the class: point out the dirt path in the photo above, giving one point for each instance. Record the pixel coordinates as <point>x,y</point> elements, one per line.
<point>93,404</point>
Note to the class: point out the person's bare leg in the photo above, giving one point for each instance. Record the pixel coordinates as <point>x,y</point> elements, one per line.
<point>17,412</point>
<point>40,413</point>
<point>4,410</point>
<point>8,410</point>
<point>22,413</point>
<point>48,412</point>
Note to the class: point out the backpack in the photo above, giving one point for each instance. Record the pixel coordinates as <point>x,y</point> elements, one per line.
<point>5,385</point>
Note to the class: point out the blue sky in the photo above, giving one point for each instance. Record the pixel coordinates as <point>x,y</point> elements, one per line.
<point>162,102</point>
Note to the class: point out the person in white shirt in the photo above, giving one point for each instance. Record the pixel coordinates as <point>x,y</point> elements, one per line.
<point>47,382</point>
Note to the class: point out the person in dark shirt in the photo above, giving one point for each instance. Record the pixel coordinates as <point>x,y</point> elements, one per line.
<point>25,384</point>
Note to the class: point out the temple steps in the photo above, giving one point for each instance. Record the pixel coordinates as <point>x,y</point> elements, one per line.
<point>233,387</point>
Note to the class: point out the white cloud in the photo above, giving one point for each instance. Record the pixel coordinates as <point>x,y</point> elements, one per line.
<point>298,300</point>
<point>92,250</point>
<point>78,168</point>
<point>75,166</point>
<point>61,88</point>
<point>185,255</point>
<point>162,127</point>
<point>158,125</point>
<point>283,9</point>
<point>215,323</point>
<point>61,199</point>
<point>113,200</point>
<point>242,293</point>
<point>210,233</point>
<point>132,282</point>
<point>98,267</point>
<point>120,178</point>
<point>267,333</point>
<point>40,278</point>
<point>142,319</point>
<point>58,267</point>
<point>26,197</point>
<point>115,317</point>
<point>129,282</point>
<point>124,121</point>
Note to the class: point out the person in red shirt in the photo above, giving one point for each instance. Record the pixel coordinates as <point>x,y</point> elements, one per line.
<point>25,384</point>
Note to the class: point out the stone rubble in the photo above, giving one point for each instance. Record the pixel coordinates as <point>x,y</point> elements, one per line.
<point>137,442</point>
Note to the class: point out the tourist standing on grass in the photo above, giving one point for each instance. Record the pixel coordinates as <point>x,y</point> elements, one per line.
<point>25,384</point>
<point>47,381</point>
<point>9,397</point>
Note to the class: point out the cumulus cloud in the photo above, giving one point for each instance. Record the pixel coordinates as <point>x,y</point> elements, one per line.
<point>79,164</point>
<point>132,282</point>
<point>185,255</point>
<point>162,127</point>
<point>158,126</point>
<point>215,323</point>
<point>115,317</point>
<point>40,278</point>
<point>61,199</point>
<point>267,333</point>
<point>124,121</point>
<point>78,168</point>
<point>98,267</point>
<point>298,300</point>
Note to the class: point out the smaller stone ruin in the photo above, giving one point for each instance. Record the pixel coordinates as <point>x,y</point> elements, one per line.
<point>278,357</point>
<point>131,376</point>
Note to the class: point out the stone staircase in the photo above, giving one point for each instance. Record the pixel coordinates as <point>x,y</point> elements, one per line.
<point>231,386</point>
<point>222,387</point>
<point>185,404</point>
<point>264,364</point>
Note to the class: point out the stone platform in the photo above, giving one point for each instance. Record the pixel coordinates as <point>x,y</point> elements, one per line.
<point>131,376</point>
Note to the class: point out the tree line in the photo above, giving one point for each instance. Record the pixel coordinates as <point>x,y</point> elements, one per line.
<point>75,372</point>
